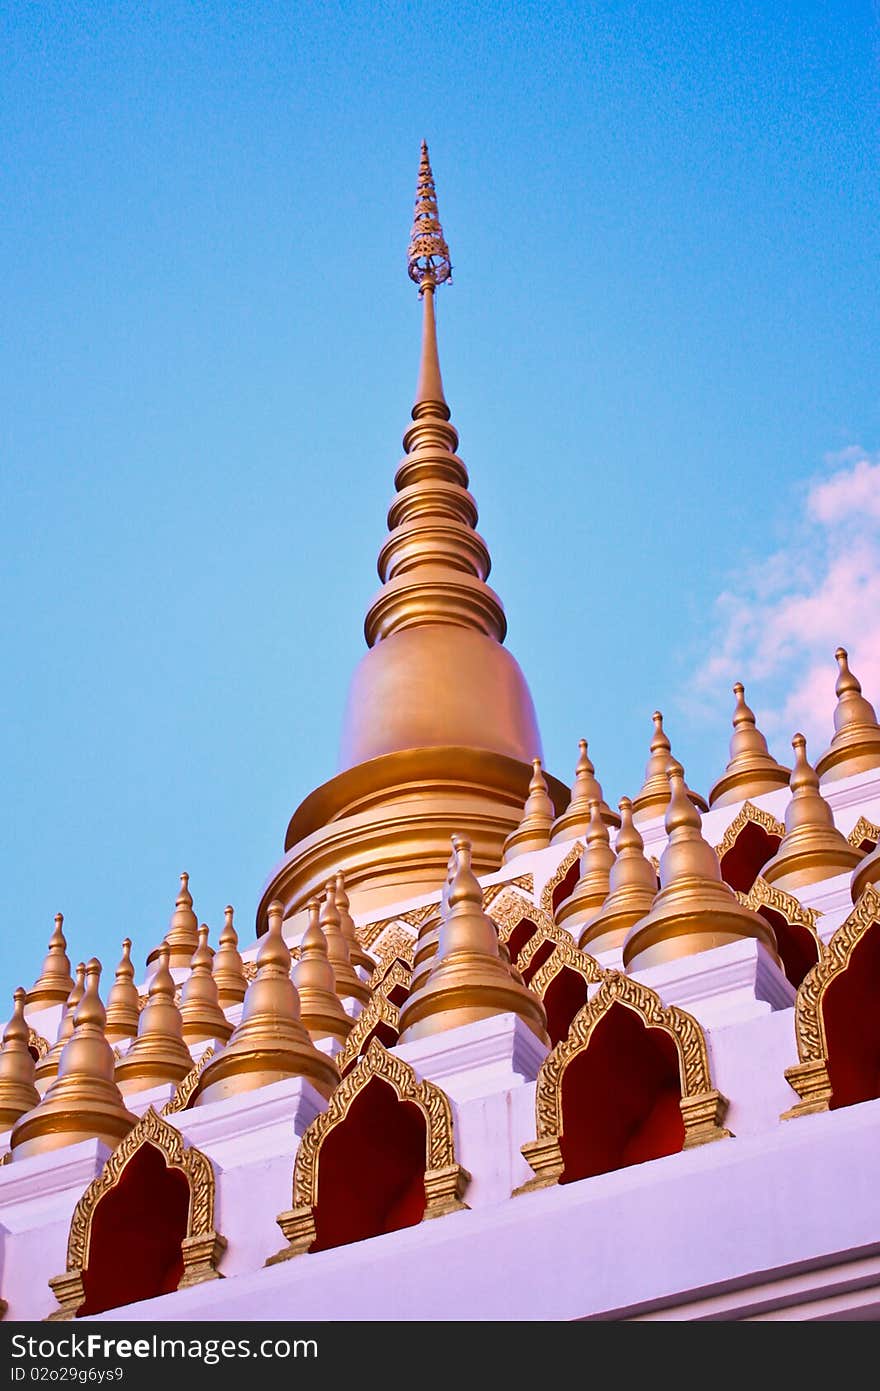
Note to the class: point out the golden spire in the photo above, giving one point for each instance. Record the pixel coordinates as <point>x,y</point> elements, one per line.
<point>270,1043</point>
<point>227,967</point>
<point>348,982</point>
<point>585,789</point>
<point>591,889</point>
<point>632,886</point>
<point>17,1091</point>
<point>83,1103</point>
<point>356,952</point>
<point>123,1002</point>
<point>159,1053</point>
<point>183,930</point>
<point>429,933</point>
<point>752,769</point>
<point>469,979</point>
<point>533,832</point>
<point>54,983</point>
<point>855,747</point>
<point>320,1007</point>
<point>427,258</point>
<point>652,799</point>
<point>868,872</point>
<point>47,1067</point>
<point>812,847</point>
<point>694,909</point>
<point>200,1012</point>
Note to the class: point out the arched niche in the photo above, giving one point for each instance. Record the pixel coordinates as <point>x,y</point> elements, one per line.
<point>395,983</point>
<point>380,1157</point>
<point>38,1046</point>
<point>561,883</point>
<point>143,1227</point>
<point>645,1091</point>
<point>379,1019</point>
<point>864,835</point>
<point>751,839</point>
<point>563,984</point>
<point>188,1086</point>
<point>797,939</point>
<point>837,1023</point>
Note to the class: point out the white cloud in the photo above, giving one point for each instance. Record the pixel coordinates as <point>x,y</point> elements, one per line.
<point>777,626</point>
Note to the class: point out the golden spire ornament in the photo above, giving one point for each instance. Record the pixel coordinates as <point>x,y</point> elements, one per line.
<point>752,769</point>
<point>320,1007</point>
<point>868,872</point>
<point>183,930</point>
<point>591,889</point>
<point>653,797</point>
<point>533,832</point>
<point>694,909</point>
<point>855,747</point>
<point>632,886</point>
<point>428,938</point>
<point>585,789</point>
<point>348,983</point>
<point>356,952</point>
<point>158,1054</point>
<point>123,1002</point>
<point>55,982</point>
<point>200,1013</point>
<point>18,1093</point>
<point>469,979</point>
<point>47,1067</point>
<point>812,847</point>
<point>227,966</point>
<point>270,1043</point>
<point>83,1102</point>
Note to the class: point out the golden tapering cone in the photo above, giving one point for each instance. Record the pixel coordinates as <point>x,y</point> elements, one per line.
<point>54,983</point>
<point>320,1007</point>
<point>159,1053</point>
<point>694,909</point>
<point>200,1013</point>
<point>123,1002</point>
<point>426,949</point>
<point>855,747</point>
<point>752,769</point>
<point>865,873</point>
<point>83,1102</point>
<point>348,982</point>
<point>356,952</point>
<point>591,889</point>
<point>632,887</point>
<point>271,1042</point>
<point>585,789</point>
<point>812,847</point>
<point>533,831</point>
<point>18,1094</point>
<point>182,936</point>
<point>652,799</point>
<point>47,1067</point>
<point>227,967</point>
<point>469,979</point>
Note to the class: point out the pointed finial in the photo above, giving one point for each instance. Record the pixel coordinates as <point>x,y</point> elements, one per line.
<point>227,967</point>
<point>596,863</point>
<point>752,769</point>
<point>533,831</point>
<point>427,259</point>
<point>200,1012</point>
<point>348,982</point>
<point>123,1002</point>
<point>812,847</point>
<point>54,983</point>
<point>632,885</point>
<point>585,789</point>
<point>855,747</point>
<point>358,956</point>
<point>183,930</point>
<point>159,1053</point>
<point>18,1094</point>
<point>47,1067</point>
<point>320,1007</point>
<point>651,800</point>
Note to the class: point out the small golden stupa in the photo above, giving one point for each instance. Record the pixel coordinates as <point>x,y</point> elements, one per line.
<point>752,769</point>
<point>18,1093</point>
<point>812,847</point>
<point>592,887</point>
<point>356,952</point>
<point>533,832</point>
<point>632,887</point>
<point>227,967</point>
<point>123,1002</point>
<point>855,747</point>
<point>47,1067</point>
<point>585,789</point>
<point>159,1053</point>
<point>652,798</point>
<point>320,1007</point>
<point>182,936</point>
<point>429,933</point>
<point>348,983</point>
<point>55,982</point>
<point>200,1013</point>
<point>469,979</point>
<point>694,909</point>
<point>83,1102</point>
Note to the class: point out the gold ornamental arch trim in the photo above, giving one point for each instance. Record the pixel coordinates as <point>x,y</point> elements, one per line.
<point>379,1010</point>
<point>809,1077</point>
<point>703,1107</point>
<point>526,882</point>
<point>512,908</point>
<point>864,830</point>
<point>748,815</point>
<point>202,1245</point>
<point>559,874</point>
<point>38,1043</point>
<point>398,973</point>
<point>445,1180</point>
<point>186,1088</point>
<point>566,957</point>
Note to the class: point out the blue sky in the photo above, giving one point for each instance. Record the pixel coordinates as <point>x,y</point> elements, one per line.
<point>659,349</point>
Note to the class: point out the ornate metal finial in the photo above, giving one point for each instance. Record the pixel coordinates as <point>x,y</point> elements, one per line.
<point>428,260</point>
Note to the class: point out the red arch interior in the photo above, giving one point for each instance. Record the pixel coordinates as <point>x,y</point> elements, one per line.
<point>565,888</point>
<point>620,1098</point>
<point>138,1227</point>
<point>798,948</point>
<point>564,996</point>
<point>747,856</point>
<point>371,1169</point>
<point>543,953</point>
<point>522,933</point>
<point>852,1025</point>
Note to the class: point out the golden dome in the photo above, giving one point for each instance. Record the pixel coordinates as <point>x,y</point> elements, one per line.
<point>812,847</point>
<point>855,747</point>
<point>226,966</point>
<point>55,981</point>
<point>752,769</point>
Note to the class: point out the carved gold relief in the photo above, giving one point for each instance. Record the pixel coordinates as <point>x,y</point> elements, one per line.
<point>863,830</point>
<point>562,869</point>
<point>39,1044</point>
<point>186,1089</point>
<point>566,956</point>
<point>395,941</point>
<point>445,1180</point>
<point>202,1245</point>
<point>380,1010</point>
<point>526,882</point>
<point>397,974</point>
<point>747,813</point>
